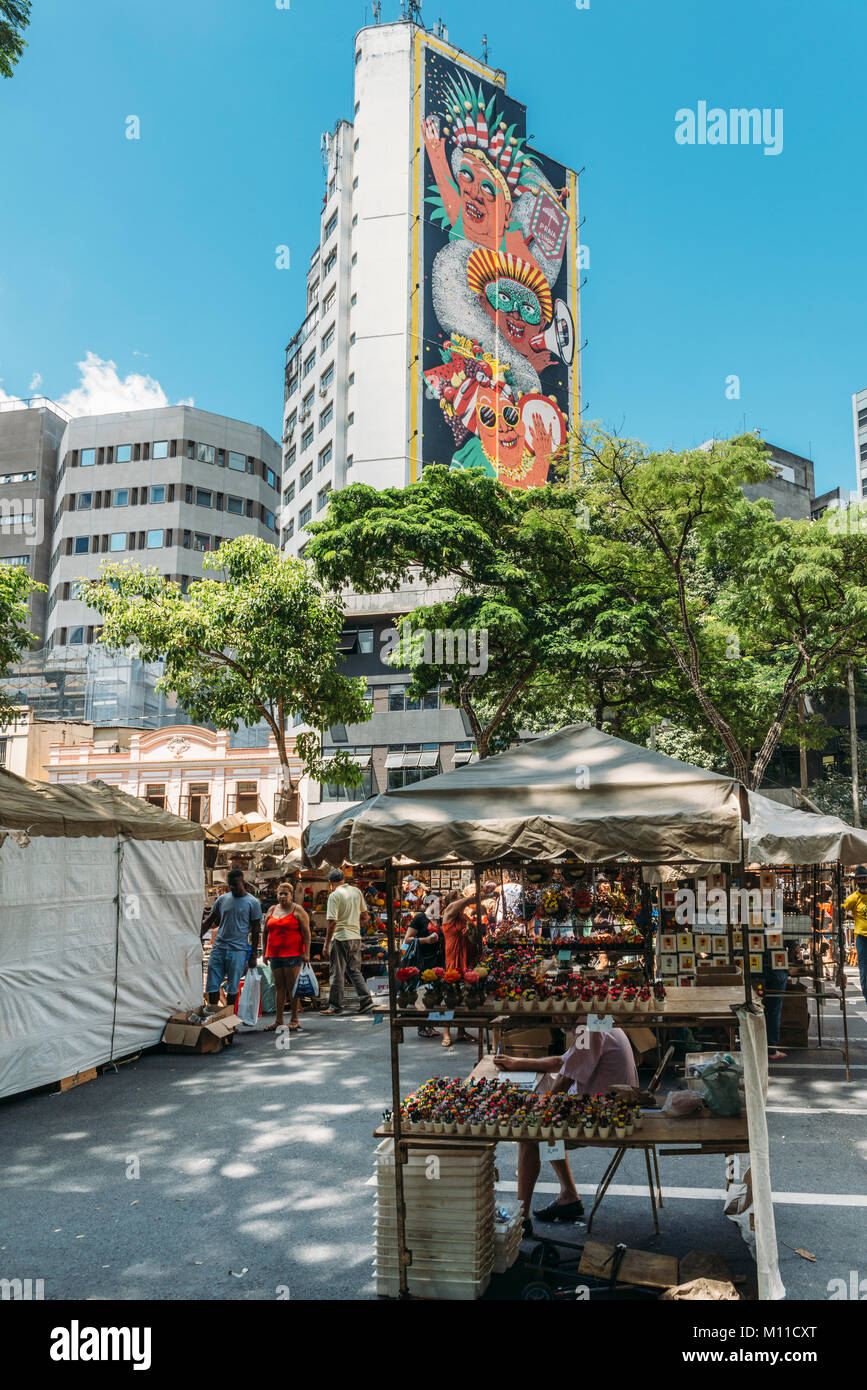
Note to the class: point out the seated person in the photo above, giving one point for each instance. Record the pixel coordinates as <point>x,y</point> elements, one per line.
<point>595,1062</point>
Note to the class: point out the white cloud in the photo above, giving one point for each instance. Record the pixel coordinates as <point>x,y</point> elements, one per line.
<point>102,390</point>
<point>35,383</point>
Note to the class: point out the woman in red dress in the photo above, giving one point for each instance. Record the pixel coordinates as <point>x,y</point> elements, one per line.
<point>461,953</point>
<point>287,947</point>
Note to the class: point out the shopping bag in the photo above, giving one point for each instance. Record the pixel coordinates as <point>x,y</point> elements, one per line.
<point>268,999</point>
<point>248,1004</point>
<point>306,986</point>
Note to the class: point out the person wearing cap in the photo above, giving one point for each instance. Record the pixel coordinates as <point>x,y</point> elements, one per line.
<point>856,904</point>
<point>344,913</point>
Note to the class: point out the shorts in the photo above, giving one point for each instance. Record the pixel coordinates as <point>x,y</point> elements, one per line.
<point>226,963</point>
<point>284,962</point>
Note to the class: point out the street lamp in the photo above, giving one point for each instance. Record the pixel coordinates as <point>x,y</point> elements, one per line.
<point>660,727</point>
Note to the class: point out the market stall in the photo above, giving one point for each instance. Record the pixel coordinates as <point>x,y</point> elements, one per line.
<point>99,927</point>
<point>580,797</point>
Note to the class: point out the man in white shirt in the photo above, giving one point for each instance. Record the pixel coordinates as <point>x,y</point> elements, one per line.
<point>344,913</point>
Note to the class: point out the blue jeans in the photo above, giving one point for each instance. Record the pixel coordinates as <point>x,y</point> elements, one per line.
<point>775,983</point>
<point>226,963</point>
<point>861,948</point>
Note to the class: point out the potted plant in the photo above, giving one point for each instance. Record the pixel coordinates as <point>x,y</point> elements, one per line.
<point>433,992</point>
<point>407,978</point>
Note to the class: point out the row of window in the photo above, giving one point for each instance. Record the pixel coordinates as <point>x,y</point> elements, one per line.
<point>17,477</point>
<point>172,448</point>
<point>117,541</point>
<point>15,560</point>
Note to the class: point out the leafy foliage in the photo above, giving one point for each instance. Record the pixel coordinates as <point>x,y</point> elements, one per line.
<point>14,18</point>
<point>16,587</point>
<point>258,643</point>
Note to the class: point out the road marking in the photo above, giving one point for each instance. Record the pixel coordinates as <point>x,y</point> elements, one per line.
<point>704,1194</point>
<point>810,1110</point>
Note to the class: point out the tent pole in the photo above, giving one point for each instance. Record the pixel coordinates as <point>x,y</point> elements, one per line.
<point>841,966</point>
<point>400,1145</point>
<point>815,941</point>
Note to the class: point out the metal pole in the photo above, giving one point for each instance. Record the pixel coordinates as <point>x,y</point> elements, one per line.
<point>853,745</point>
<point>400,1146</point>
<point>841,969</point>
<point>818,972</point>
<point>802,746</point>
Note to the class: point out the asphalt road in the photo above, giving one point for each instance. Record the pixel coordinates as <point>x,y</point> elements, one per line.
<point>247,1174</point>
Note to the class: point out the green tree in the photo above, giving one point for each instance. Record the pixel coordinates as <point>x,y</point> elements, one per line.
<point>14,19</point>
<point>549,633</point>
<point>751,610</point>
<point>16,588</point>
<point>257,643</point>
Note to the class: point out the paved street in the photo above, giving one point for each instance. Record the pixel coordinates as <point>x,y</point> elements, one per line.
<point>259,1160</point>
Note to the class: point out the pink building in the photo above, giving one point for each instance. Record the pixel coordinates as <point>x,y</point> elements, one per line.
<point>184,769</point>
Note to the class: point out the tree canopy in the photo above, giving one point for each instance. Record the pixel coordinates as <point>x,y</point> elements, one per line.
<point>14,19</point>
<point>16,587</point>
<point>256,642</point>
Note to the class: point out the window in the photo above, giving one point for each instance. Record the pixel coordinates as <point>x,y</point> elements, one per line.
<point>349,461</point>
<point>120,497</point>
<point>329,301</point>
<point>353,301</point>
<point>330,263</point>
<point>16,560</point>
<point>326,378</point>
<point>307,438</point>
<point>355,220</point>
<point>330,226</point>
<point>161,449</point>
<point>350,419</point>
<point>322,497</point>
<point>307,402</point>
<point>326,417</point>
<point>355,182</point>
<point>84,502</point>
<point>325,457</point>
<point>81,545</point>
<point>289,494</point>
<point>355,258</point>
<point>306,476</point>
<point>332,792</point>
<point>309,364</point>
<point>235,505</point>
<point>155,793</point>
<point>270,519</point>
<point>305,514</point>
<point>87,458</point>
<point>76,636</point>
<point>328,339</point>
<point>154,540</point>
<point>198,802</point>
<point>288,532</point>
<point>117,540</point>
<point>204,498</point>
<point>201,542</point>
<point>312,291</point>
<point>247,798</point>
<point>271,477</point>
<point>352,340</point>
<point>399,700</point>
<point>290,458</point>
<point>238,462</point>
<point>123,453</point>
<point>205,453</point>
<point>158,494</point>
<point>352,378</point>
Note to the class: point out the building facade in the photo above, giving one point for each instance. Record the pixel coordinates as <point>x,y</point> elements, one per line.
<point>30,435</point>
<point>859,429</point>
<point>442,311</point>
<point>25,742</point>
<point>160,487</point>
<point>193,772</point>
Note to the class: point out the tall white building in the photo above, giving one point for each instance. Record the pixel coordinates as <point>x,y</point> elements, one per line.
<point>859,426</point>
<point>442,302</point>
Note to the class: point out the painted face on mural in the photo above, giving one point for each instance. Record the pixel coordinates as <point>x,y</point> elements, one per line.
<point>514,309</point>
<point>486,209</point>
<point>501,432</point>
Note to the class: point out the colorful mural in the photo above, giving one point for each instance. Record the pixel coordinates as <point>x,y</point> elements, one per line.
<point>497,333</point>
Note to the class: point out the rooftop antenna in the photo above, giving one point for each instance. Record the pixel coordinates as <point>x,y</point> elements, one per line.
<point>484,48</point>
<point>377,10</point>
<point>411,10</point>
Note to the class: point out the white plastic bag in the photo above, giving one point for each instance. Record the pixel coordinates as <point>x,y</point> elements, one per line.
<point>306,985</point>
<point>248,1004</point>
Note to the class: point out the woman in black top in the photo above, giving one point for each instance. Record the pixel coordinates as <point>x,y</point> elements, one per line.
<point>430,954</point>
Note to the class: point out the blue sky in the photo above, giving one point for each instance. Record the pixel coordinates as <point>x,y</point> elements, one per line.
<point>705,261</point>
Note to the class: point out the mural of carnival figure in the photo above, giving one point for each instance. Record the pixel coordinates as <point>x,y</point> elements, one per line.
<point>498,336</point>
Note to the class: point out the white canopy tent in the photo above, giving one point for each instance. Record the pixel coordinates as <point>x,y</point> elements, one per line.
<point>100,908</point>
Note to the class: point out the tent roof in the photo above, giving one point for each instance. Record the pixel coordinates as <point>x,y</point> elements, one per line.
<point>581,792</point>
<point>85,808</point>
<point>577,791</point>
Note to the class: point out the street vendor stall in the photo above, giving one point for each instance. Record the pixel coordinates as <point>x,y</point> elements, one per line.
<point>100,909</point>
<point>582,797</point>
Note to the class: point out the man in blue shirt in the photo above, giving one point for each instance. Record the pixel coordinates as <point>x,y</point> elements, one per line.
<point>238,917</point>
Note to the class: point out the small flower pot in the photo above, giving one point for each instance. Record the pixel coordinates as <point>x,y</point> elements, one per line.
<point>559,1131</point>
<point>620,1132</point>
<point>604,1131</point>
<point>628,1006</point>
<point>438,1127</point>
<point>638,1121</point>
<point>476,1129</point>
<point>589,1132</point>
<point>492,1130</point>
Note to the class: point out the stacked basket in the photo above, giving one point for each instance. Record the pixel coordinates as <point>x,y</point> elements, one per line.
<point>507,1239</point>
<point>449,1200</point>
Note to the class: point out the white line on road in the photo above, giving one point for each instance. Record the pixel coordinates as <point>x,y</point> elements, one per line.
<point>705,1194</point>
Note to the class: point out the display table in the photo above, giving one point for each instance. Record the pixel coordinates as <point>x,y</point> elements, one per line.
<point>681,1005</point>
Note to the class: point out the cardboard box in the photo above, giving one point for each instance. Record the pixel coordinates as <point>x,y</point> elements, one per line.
<point>181,1035</point>
<point>527,1042</point>
<point>719,977</point>
<point>643,1040</point>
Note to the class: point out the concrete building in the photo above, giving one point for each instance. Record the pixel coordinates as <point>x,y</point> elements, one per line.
<point>161,487</point>
<point>415,290</point>
<point>793,489</point>
<point>30,434</point>
<point>26,740</point>
<point>859,429</point>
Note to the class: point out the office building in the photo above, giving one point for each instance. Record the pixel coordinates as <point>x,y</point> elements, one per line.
<point>30,434</point>
<point>859,429</point>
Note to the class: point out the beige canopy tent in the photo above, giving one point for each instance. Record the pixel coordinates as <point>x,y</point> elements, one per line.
<point>581,792</point>
<point>100,910</point>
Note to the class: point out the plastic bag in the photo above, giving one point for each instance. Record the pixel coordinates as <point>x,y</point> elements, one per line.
<point>248,1004</point>
<point>307,985</point>
<point>721,1077</point>
<point>678,1103</point>
<point>269,990</point>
